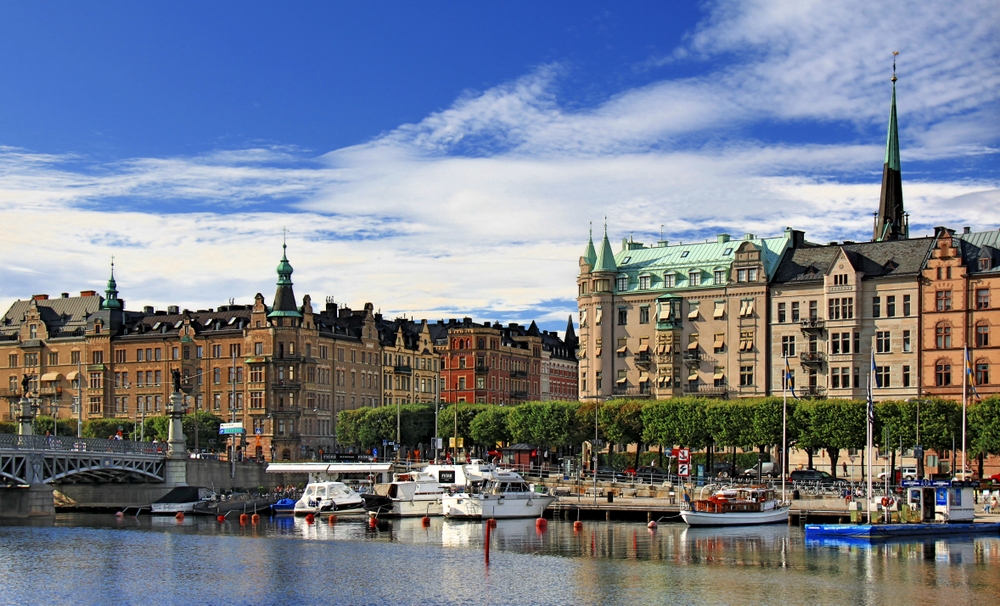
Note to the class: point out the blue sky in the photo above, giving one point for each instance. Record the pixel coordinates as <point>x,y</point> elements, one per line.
<point>447,159</point>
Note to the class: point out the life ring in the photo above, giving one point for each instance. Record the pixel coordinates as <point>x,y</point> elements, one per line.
<point>887,501</point>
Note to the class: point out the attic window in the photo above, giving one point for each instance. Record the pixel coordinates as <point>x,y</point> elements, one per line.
<point>626,260</point>
<point>984,263</point>
<point>232,320</point>
<point>685,253</point>
<point>728,251</point>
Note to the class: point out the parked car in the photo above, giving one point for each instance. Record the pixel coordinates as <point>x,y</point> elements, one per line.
<point>607,474</point>
<point>647,474</point>
<point>766,469</point>
<point>907,473</point>
<point>811,475</point>
<point>722,469</point>
<point>994,478</point>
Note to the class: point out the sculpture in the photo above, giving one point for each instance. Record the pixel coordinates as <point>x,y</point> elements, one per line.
<point>25,381</point>
<point>176,374</point>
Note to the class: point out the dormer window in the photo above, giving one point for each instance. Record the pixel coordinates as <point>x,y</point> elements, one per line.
<point>984,264</point>
<point>668,280</point>
<point>622,283</point>
<point>694,278</point>
<point>644,282</point>
<point>840,279</point>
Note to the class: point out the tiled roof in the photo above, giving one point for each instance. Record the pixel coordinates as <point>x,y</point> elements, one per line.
<point>63,315</point>
<point>874,259</point>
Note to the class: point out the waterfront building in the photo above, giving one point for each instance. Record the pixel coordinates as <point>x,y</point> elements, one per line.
<point>668,320</point>
<point>410,372</point>
<point>959,305</point>
<point>559,378</point>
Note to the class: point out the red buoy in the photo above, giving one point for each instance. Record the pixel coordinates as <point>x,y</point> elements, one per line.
<point>119,515</point>
<point>180,516</point>
<point>577,526</point>
<point>425,521</point>
<point>493,522</point>
<point>372,522</point>
<point>310,518</point>
<point>652,525</point>
<point>244,518</point>
<point>541,523</point>
<point>331,520</point>
<point>221,519</point>
<point>255,519</point>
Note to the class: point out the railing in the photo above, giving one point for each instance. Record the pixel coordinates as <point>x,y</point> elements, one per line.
<point>403,369</point>
<point>711,390</point>
<point>632,391</point>
<point>69,443</point>
<point>812,391</point>
<point>482,368</point>
<point>691,355</point>
<point>811,357</point>
<point>283,384</point>
<point>519,373</point>
<point>812,324</point>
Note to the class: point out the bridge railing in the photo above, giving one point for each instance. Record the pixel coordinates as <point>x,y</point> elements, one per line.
<point>74,444</point>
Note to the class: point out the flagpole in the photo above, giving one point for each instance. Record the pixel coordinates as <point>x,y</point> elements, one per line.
<point>965,398</point>
<point>868,423</point>
<point>784,433</point>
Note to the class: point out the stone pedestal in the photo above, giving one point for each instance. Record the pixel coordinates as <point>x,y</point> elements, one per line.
<point>25,418</point>
<point>175,472</point>
<point>176,444</point>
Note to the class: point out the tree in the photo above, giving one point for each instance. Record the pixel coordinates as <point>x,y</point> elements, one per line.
<point>837,424</point>
<point>106,428</point>
<point>416,424</point>
<point>547,424</point>
<point>466,413</point>
<point>207,426</point>
<point>490,426</point>
<point>984,429</point>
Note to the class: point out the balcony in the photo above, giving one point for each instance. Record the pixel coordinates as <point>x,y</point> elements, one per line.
<point>482,369</point>
<point>813,324</point>
<point>643,360</point>
<point>519,373</point>
<point>811,358</point>
<point>812,391</point>
<point>518,395</point>
<point>643,390</point>
<point>707,390</point>
<point>284,384</point>
<point>691,355</point>
<point>402,369</point>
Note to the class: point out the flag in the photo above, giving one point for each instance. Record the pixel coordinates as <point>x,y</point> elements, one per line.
<point>871,395</point>
<point>971,376</point>
<point>789,379</point>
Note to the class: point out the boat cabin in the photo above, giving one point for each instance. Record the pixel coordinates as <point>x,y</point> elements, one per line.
<point>737,500</point>
<point>940,500</point>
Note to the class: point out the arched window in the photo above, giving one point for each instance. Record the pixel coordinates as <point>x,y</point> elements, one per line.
<point>982,371</point>
<point>942,373</point>
<point>942,332</point>
<point>482,343</point>
<point>982,334</point>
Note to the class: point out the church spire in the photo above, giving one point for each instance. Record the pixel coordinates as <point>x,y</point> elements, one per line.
<point>111,300</point>
<point>890,222</point>
<point>570,340</point>
<point>605,257</point>
<point>589,254</point>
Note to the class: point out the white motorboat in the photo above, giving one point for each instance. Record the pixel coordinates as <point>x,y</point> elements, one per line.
<point>736,507</point>
<point>504,495</point>
<point>181,500</point>
<point>419,492</point>
<point>329,498</point>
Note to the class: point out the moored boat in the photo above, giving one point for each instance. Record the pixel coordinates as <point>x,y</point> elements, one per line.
<point>504,495</point>
<point>181,500</point>
<point>329,498</point>
<point>283,506</point>
<point>419,492</point>
<point>736,507</point>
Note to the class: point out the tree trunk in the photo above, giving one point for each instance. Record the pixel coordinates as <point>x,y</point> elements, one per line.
<point>710,459</point>
<point>834,454</point>
<point>809,454</point>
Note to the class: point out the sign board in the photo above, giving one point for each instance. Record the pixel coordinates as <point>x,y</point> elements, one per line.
<point>231,428</point>
<point>385,442</point>
<point>374,452</point>
<point>683,455</point>
<point>683,469</point>
<point>258,431</point>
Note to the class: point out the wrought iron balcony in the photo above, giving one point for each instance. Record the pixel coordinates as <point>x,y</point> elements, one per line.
<point>643,390</point>
<point>707,390</point>
<point>812,324</point>
<point>402,369</point>
<point>482,368</point>
<point>691,355</point>
<point>811,357</point>
<point>519,373</point>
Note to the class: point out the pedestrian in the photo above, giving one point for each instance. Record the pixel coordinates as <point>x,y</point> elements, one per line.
<point>994,504</point>
<point>845,467</point>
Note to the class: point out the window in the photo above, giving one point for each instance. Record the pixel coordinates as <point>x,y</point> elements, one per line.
<point>694,278</point>
<point>598,381</point>
<point>98,357</point>
<point>597,343</point>
<point>840,378</point>
<point>12,361</point>
<point>622,348</point>
<point>982,373</point>
<point>719,377</point>
<point>813,310</point>
<point>857,343</point>
<point>719,276</point>
<point>693,310</point>
<point>95,404</point>
<point>982,298</point>
<point>156,354</point>
<point>234,350</point>
<point>942,374</point>
<point>74,357</point>
<point>907,346</point>
<point>199,352</point>
<point>882,342</point>
<point>622,317</point>
<point>622,283</point>
<point>890,306</point>
<point>685,253</point>
<point>840,279</point>
<point>746,308</point>
<point>943,300</point>
<point>720,342</point>
<point>876,307</point>
<point>781,313</point>
<point>906,305</point>
<point>96,380</point>
<point>746,275</point>
<point>187,352</point>
<point>943,335</point>
<point>644,315</point>
<point>217,376</point>
<point>54,358</point>
<point>984,263</point>
<point>787,346</point>
<point>795,311</point>
<point>982,334</point>
<point>720,310</point>
<point>746,376</point>
<point>159,377</point>
<point>841,309</point>
<point>882,376</point>
<point>906,376</point>
<point>31,359</point>
<point>644,282</point>
<point>668,280</point>
<point>174,353</point>
<point>139,356</point>
<point>746,340</point>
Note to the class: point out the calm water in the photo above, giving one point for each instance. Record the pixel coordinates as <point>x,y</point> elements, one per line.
<point>96,559</point>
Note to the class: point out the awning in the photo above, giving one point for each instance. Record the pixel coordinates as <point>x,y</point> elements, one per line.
<point>621,349</point>
<point>621,380</point>
<point>597,316</point>
<point>720,373</point>
<point>583,318</point>
<point>51,376</point>
<point>693,314</point>
<point>719,341</point>
<point>693,376</point>
<point>597,352</point>
<point>643,377</point>
<point>73,376</point>
<point>720,310</point>
<point>693,345</point>
<point>643,348</point>
<point>749,311</point>
<point>743,308</point>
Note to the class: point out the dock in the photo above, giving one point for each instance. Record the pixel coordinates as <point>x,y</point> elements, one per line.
<point>654,509</point>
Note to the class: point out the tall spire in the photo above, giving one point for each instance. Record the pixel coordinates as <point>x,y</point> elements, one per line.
<point>284,297</point>
<point>111,300</point>
<point>890,222</point>
<point>605,258</point>
<point>589,254</point>
<point>570,339</point>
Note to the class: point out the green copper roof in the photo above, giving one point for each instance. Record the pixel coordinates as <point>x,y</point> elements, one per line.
<point>590,255</point>
<point>605,258</point>
<point>284,268</point>
<point>111,299</point>
<point>284,298</point>
<point>892,140</point>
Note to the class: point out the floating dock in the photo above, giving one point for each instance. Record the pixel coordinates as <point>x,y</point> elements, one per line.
<point>894,531</point>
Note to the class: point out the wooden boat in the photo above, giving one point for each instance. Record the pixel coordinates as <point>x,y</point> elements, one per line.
<point>736,507</point>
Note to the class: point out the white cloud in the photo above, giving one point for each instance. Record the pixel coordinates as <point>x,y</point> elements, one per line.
<point>485,205</point>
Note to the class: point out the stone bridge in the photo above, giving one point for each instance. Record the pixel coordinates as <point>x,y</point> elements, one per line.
<point>32,460</point>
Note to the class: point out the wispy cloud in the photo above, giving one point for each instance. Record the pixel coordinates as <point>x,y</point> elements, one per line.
<point>484,206</point>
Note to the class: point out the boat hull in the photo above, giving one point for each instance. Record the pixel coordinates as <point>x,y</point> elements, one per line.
<point>887,531</point>
<point>735,518</point>
<point>397,508</point>
<point>478,507</point>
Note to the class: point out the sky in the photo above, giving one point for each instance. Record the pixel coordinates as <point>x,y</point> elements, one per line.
<point>448,159</point>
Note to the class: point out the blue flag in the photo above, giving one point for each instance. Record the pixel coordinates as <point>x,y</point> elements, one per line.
<point>969,374</point>
<point>789,379</point>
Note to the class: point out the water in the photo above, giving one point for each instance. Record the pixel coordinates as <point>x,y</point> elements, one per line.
<point>96,559</point>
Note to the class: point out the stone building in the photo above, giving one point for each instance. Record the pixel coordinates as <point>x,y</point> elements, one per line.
<point>669,320</point>
<point>410,372</point>
<point>560,377</point>
<point>960,292</point>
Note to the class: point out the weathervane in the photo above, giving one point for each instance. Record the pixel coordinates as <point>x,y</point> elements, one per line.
<point>894,53</point>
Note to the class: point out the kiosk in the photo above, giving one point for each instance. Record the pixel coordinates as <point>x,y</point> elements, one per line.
<point>940,500</point>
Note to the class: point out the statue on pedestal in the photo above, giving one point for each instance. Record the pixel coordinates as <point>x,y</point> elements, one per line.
<point>176,374</point>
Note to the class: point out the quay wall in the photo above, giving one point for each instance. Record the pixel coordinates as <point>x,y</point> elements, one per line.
<point>26,501</point>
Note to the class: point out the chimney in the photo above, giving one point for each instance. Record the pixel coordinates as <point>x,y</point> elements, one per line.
<point>40,297</point>
<point>88,293</point>
<point>148,310</point>
<point>749,237</point>
<point>65,295</point>
<point>173,309</point>
<point>723,238</point>
<point>966,230</point>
